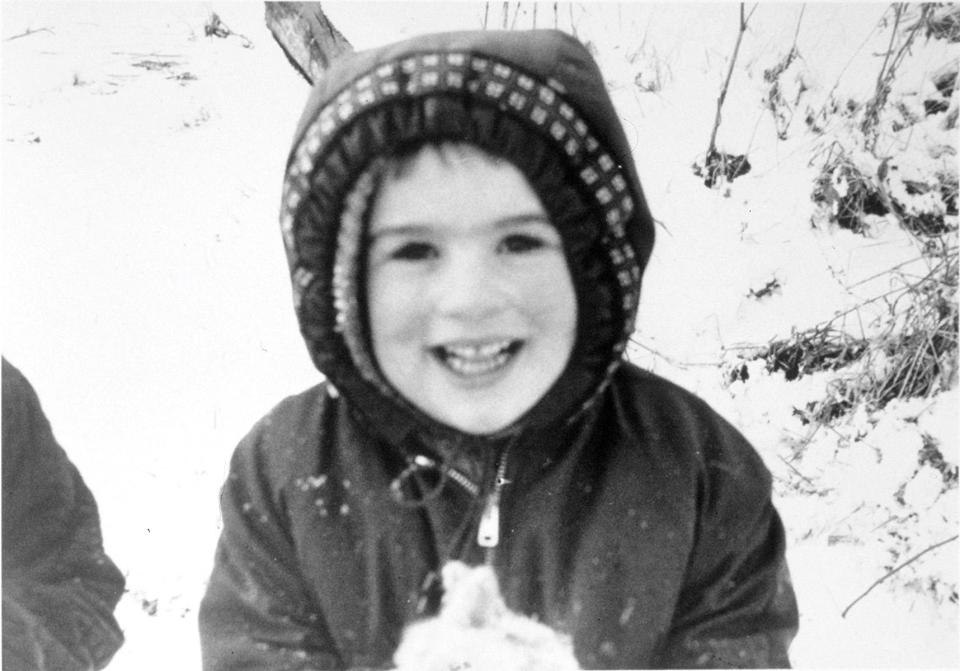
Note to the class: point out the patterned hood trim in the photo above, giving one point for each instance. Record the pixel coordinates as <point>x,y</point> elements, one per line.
<point>516,93</point>
<point>337,141</point>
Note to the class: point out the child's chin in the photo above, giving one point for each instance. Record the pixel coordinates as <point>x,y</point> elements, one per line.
<point>470,421</point>
<point>479,413</point>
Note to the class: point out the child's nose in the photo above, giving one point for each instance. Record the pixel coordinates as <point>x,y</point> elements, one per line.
<point>468,289</point>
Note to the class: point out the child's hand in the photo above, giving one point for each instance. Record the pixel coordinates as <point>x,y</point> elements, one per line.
<point>476,631</point>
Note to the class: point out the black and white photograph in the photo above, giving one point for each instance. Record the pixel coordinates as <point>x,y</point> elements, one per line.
<point>487,336</point>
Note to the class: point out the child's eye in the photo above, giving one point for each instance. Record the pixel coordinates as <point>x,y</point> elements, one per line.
<point>414,251</point>
<point>520,243</point>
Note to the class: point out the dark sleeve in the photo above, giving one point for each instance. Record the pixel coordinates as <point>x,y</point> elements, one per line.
<point>59,588</point>
<point>257,612</point>
<point>737,606</point>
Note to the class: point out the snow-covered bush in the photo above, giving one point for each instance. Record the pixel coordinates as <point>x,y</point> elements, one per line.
<point>787,80</point>
<point>846,190</point>
<point>943,21</point>
<point>871,391</point>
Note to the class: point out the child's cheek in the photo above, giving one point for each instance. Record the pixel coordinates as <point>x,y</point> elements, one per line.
<point>546,290</point>
<point>396,304</point>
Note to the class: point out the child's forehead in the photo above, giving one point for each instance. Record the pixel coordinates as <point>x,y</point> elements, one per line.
<point>448,187</point>
<point>445,154</point>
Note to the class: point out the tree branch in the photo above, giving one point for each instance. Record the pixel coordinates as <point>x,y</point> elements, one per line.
<point>712,147</point>
<point>28,31</point>
<point>796,33</point>
<point>895,570</point>
<point>307,37</point>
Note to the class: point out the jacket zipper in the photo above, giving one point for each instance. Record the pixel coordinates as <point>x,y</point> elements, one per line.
<point>463,481</point>
<point>488,534</point>
<point>423,461</point>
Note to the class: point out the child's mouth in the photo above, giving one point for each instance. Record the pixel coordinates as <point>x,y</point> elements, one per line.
<point>476,359</point>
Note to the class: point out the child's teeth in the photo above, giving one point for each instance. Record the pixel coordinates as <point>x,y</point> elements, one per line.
<point>478,351</point>
<point>477,359</point>
<point>466,367</point>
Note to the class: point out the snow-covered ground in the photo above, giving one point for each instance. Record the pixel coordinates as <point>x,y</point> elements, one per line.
<point>145,292</point>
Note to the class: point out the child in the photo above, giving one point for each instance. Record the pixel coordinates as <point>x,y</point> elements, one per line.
<point>466,234</point>
<point>59,587</point>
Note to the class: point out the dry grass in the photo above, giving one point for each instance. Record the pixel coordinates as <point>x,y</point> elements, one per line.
<point>942,22</point>
<point>846,194</point>
<point>915,357</point>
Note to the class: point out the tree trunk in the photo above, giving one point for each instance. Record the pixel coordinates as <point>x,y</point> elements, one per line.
<point>306,35</point>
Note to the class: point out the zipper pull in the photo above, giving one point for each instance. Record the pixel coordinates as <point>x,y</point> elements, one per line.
<point>488,535</point>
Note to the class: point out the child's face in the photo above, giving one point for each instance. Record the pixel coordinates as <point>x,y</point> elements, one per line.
<point>472,308</point>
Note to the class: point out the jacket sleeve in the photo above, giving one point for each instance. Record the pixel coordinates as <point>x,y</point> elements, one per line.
<point>257,612</point>
<point>59,588</point>
<point>737,607</point>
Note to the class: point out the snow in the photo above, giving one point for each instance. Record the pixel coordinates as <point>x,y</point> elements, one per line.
<point>145,291</point>
<point>479,631</point>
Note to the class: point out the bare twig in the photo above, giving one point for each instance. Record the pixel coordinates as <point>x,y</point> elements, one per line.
<point>843,71</point>
<point>673,362</point>
<point>887,72</point>
<point>849,515</point>
<point>908,287</point>
<point>663,226</point>
<point>796,33</point>
<point>895,570</point>
<point>486,13</point>
<point>753,135</point>
<point>892,518</point>
<point>897,13</point>
<point>28,31</point>
<point>712,147</point>
<point>797,471</point>
<point>516,13</point>
<point>868,301</point>
<point>882,273</point>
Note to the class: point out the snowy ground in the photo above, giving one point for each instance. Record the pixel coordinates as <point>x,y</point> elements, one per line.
<point>145,292</point>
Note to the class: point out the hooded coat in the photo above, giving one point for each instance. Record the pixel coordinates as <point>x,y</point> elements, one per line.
<point>623,511</point>
<point>59,588</point>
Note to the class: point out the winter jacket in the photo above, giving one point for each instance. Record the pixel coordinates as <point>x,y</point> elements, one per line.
<point>59,588</point>
<point>625,512</point>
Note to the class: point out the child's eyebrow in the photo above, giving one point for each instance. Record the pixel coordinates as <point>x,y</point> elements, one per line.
<point>423,228</point>
<point>388,230</point>
<point>520,219</point>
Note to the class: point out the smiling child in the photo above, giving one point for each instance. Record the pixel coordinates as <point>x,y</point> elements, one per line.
<point>472,308</point>
<point>466,235</point>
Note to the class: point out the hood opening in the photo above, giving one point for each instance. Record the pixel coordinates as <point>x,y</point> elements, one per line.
<point>410,97</point>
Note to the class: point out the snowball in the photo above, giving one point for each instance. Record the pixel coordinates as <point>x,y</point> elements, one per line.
<point>475,630</point>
